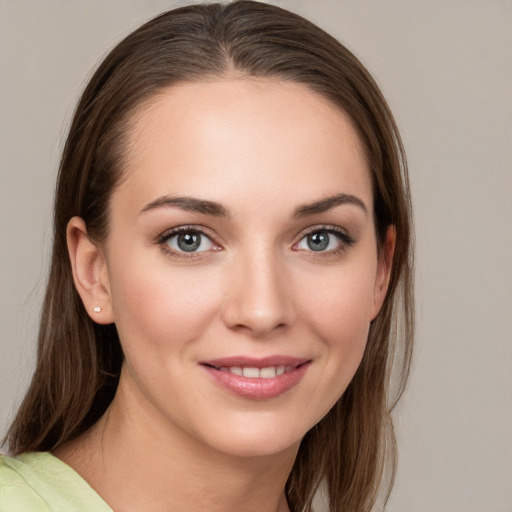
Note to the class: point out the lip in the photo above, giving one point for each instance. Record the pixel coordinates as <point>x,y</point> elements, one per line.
<point>257,388</point>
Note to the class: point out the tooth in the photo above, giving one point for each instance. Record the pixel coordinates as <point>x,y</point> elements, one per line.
<point>289,368</point>
<point>268,373</point>
<point>251,372</point>
<point>236,370</point>
<point>280,370</point>
<point>224,369</point>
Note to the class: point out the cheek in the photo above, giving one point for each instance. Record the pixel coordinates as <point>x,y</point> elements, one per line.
<point>162,307</point>
<point>340,305</point>
<point>340,318</point>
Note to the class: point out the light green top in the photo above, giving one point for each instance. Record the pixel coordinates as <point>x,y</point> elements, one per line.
<point>40,482</point>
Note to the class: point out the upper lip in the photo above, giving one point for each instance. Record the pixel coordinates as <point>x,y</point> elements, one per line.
<point>255,362</point>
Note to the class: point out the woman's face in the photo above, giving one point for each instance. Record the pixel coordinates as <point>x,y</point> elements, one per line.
<point>241,267</point>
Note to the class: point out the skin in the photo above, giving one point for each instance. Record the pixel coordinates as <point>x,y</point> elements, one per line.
<point>261,149</point>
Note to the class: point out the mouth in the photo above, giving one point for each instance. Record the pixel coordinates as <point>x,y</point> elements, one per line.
<point>257,379</point>
<point>253,372</point>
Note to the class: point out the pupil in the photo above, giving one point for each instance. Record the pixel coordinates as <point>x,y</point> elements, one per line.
<point>189,242</point>
<point>318,241</point>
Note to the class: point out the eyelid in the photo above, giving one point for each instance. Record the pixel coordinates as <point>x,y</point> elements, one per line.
<point>169,233</point>
<point>346,240</point>
<point>184,228</point>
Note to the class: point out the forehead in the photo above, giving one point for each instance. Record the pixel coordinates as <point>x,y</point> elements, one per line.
<point>266,138</point>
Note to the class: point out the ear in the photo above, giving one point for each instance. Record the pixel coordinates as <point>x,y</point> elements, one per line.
<point>90,272</point>
<point>383,275</point>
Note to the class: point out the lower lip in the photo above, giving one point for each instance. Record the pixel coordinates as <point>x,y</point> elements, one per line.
<point>258,388</point>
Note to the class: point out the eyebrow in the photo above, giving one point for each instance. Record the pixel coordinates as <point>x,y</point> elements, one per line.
<point>193,204</point>
<point>327,204</point>
<point>190,204</point>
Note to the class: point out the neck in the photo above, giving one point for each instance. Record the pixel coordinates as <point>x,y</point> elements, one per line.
<point>135,464</point>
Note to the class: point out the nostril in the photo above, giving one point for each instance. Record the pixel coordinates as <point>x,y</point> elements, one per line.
<point>258,303</point>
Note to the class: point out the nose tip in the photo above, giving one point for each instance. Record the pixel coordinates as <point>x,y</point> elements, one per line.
<point>259,301</point>
<point>258,320</point>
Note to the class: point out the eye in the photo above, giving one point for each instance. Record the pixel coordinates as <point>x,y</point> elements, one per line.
<point>324,240</point>
<point>188,241</point>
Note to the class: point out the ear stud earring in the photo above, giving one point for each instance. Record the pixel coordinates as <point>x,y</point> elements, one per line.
<point>97,309</point>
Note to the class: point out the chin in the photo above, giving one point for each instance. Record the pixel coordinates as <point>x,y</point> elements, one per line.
<point>259,437</point>
<point>268,447</point>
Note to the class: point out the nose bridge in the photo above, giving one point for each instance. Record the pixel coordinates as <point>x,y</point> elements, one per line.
<point>259,298</point>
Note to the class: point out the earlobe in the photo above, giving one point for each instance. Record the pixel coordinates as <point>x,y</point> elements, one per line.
<point>385,264</point>
<point>89,272</point>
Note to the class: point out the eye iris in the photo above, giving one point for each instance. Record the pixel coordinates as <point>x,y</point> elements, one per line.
<point>189,242</point>
<point>318,241</point>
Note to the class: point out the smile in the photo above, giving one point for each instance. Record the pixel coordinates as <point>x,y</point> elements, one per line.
<point>258,373</point>
<point>254,379</point>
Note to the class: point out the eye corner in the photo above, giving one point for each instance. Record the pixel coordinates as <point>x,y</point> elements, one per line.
<point>332,240</point>
<point>198,243</point>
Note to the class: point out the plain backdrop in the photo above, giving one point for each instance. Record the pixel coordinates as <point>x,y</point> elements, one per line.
<point>445,68</point>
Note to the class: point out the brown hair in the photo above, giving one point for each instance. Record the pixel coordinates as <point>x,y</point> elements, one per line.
<point>79,362</point>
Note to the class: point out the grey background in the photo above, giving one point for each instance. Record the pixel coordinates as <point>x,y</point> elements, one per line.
<point>445,68</point>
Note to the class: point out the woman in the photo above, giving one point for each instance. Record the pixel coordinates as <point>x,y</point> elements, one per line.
<point>232,248</point>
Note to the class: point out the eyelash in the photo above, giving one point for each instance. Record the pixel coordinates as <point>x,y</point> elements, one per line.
<point>345,240</point>
<point>164,238</point>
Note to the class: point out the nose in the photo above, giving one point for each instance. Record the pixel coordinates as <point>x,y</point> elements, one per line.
<point>259,296</point>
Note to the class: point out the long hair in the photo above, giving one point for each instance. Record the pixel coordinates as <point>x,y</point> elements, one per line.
<point>79,362</point>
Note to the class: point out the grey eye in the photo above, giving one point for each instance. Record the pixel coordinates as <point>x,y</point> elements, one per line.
<point>320,241</point>
<point>189,241</point>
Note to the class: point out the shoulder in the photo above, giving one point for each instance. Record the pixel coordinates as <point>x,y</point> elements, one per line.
<point>40,482</point>
<point>15,492</point>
